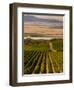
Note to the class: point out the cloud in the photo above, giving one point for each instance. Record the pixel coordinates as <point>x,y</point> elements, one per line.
<point>50,21</point>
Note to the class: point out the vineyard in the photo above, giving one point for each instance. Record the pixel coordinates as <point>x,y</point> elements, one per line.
<point>43,56</point>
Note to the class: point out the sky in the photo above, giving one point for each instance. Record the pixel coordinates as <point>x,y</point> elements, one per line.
<point>49,20</point>
<point>43,24</point>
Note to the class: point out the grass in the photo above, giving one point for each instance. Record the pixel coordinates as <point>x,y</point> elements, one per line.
<point>57,44</point>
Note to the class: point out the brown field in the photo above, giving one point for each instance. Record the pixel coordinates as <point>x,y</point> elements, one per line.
<point>44,30</point>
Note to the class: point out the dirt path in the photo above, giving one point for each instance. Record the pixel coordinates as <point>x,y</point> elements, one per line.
<point>51,47</point>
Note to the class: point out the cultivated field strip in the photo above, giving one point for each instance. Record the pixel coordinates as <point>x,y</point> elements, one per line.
<point>58,63</point>
<point>27,56</point>
<point>42,62</point>
<point>31,63</point>
<point>37,67</point>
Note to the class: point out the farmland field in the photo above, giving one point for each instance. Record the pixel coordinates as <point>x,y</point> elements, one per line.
<point>43,56</point>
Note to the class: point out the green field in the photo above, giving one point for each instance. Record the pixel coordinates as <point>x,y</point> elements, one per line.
<point>43,56</point>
